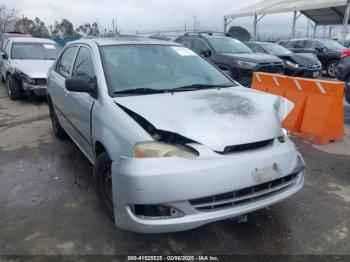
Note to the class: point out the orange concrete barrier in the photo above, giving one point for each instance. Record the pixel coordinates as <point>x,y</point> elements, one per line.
<point>317,115</point>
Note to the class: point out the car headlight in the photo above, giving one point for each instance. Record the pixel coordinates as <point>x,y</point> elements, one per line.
<point>291,64</point>
<point>152,149</point>
<point>246,63</point>
<point>25,77</point>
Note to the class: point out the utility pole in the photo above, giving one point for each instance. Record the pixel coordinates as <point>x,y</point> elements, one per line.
<point>116,25</point>
<point>23,24</point>
<point>194,23</point>
<point>294,22</point>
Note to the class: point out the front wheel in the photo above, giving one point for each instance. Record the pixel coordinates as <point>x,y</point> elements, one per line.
<point>103,183</point>
<point>331,67</point>
<point>14,90</point>
<point>347,89</point>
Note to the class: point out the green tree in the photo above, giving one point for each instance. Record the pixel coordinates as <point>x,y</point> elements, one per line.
<point>239,33</point>
<point>66,28</point>
<point>88,29</point>
<point>36,27</point>
<point>62,29</point>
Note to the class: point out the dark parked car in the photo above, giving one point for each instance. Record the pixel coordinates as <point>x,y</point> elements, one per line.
<point>297,64</point>
<point>231,56</point>
<point>328,51</point>
<point>343,73</point>
<point>283,42</point>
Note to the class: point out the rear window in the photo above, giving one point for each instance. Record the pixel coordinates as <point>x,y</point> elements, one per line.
<point>297,44</point>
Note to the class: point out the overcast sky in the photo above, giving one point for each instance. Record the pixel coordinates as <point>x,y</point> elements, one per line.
<point>151,15</point>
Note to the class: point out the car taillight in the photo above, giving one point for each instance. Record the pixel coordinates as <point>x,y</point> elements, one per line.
<point>345,53</point>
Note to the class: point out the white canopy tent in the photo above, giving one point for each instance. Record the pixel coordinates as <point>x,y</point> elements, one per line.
<point>320,12</point>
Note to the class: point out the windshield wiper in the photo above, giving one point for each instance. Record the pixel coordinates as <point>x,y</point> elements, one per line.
<point>194,87</point>
<point>139,91</point>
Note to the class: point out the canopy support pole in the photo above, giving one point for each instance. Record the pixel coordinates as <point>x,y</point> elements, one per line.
<point>226,23</point>
<point>255,27</point>
<point>345,23</point>
<point>295,18</point>
<point>315,30</point>
<point>256,21</point>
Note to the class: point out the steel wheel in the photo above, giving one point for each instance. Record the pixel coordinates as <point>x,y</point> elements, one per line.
<point>103,183</point>
<point>331,68</point>
<point>8,83</point>
<point>108,187</point>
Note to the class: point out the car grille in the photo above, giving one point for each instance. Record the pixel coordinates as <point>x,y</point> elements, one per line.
<point>40,81</point>
<point>40,91</point>
<point>243,196</point>
<point>314,66</point>
<point>246,147</point>
<point>271,68</point>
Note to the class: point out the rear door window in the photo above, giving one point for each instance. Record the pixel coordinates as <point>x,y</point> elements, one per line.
<point>309,44</point>
<point>186,41</point>
<point>65,64</point>
<point>199,45</point>
<point>298,44</point>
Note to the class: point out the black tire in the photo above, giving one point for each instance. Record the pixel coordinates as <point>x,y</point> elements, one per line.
<point>58,130</point>
<point>103,183</point>
<point>14,90</point>
<point>331,67</point>
<point>347,89</point>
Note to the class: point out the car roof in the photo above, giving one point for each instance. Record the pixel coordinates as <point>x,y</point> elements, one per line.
<point>261,42</point>
<point>31,40</point>
<point>123,41</point>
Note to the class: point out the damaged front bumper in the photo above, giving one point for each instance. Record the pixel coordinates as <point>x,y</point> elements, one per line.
<point>39,90</point>
<point>209,188</point>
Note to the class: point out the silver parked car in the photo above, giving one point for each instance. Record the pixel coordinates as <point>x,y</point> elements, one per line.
<point>24,65</point>
<point>175,143</point>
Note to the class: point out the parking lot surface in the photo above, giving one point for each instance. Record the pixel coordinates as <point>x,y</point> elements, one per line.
<point>48,204</point>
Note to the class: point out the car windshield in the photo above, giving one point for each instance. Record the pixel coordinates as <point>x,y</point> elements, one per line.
<point>229,45</point>
<point>35,51</point>
<point>331,44</point>
<point>158,67</point>
<point>275,49</point>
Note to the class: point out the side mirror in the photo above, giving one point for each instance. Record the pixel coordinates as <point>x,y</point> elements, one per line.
<point>206,53</point>
<point>4,56</point>
<point>83,84</point>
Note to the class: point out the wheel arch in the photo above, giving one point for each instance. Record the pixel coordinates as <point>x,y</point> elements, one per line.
<point>99,148</point>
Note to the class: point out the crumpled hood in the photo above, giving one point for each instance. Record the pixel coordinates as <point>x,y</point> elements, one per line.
<point>33,68</point>
<point>254,57</point>
<point>214,118</point>
<point>305,59</point>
